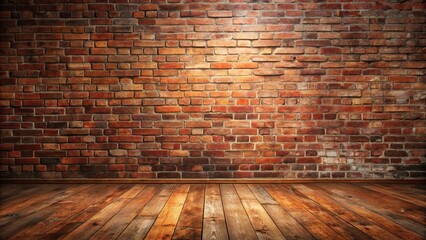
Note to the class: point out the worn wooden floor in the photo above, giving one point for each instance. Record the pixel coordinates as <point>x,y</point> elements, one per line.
<point>212,211</point>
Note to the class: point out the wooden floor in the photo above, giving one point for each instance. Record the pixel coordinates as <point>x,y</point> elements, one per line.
<point>212,211</point>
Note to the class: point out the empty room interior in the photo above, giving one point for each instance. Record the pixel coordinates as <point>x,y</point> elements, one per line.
<point>213,119</point>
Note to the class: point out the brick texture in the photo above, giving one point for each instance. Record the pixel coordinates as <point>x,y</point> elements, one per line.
<point>219,89</point>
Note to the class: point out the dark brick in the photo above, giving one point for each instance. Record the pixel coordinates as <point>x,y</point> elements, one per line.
<point>50,161</point>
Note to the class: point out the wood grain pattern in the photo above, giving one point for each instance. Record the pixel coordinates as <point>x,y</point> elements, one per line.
<point>34,204</point>
<point>142,223</point>
<point>214,225</point>
<point>309,221</point>
<point>355,220</point>
<point>113,228</point>
<point>94,224</point>
<point>110,194</point>
<point>213,211</point>
<point>262,223</point>
<point>61,210</point>
<point>403,195</point>
<point>239,226</point>
<point>190,223</point>
<point>372,216</point>
<point>389,208</point>
<point>165,224</point>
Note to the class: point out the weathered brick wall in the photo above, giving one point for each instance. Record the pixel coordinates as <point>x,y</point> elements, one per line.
<point>220,89</point>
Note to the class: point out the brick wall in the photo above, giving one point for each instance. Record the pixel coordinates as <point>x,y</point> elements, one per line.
<point>219,89</point>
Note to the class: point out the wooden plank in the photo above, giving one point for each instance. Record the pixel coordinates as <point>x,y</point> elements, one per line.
<point>165,224</point>
<point>9,194</point>
<point>140,225</point>
<point>417,190</point>
<point>351,211</point>
<point>290,228</point>
<point>310,222</point>
<point>134,191</point>
<point>138,228</point>
<point>190,222</point>
<point>354,219</point>
<point>26,218</point>
<point>262,195</point>
<point>10,190</point>
<point>39,192</point>
<point>339,225</point>
<point>212,189</point>
<point>34,204</point>
<point>62,210</point>
<point>372,216</point>
<point>262,224</point>
<point>389,204</point>
<point>91,226</point>
<point>113,228</point>
<point>214,225</point>
<point>418,187</point>
<point>153,208</point>
<point>73,222</point>
<point>237,221</point>
<point>408,215</point>
<point>23,223</point>
<point>417,199</point>
<point>244,191</point>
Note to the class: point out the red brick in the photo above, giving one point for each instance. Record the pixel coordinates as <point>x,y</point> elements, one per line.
<point>170,21</point>
<point>200,21</point>
<point>171,51</point>
<point>102,51</point>
<point>248,65</point>
<point>403,79</point>
<point>125,139</point>
<point>311,58</point>
<point>268,72</point>
<point>221,65</point>
<point>290,65</point>
<point>76,36</point>
<point>244,131</point>
<point>168,109</point>
<point>74,160</point>
<point>218,146</point>
<point>175,65</point>
<point>266,43</point>
<point>147,131</point>
<point>312,72</point>
<point>246,36</point>
<point>123,110</point>
<point>221,43</point>
<point>197,65</point>
<point>123,124</point>
<point>219,14</point>
<point>101,36</point>
<point>330,50</point>
<point>271,58</point>
<point>68,146</point>
<point>142,65</point>
<point>288,35</point>
<point>148,43</point>
<point>240,109</point>
<point>199,109</point>
<point>313,43</point>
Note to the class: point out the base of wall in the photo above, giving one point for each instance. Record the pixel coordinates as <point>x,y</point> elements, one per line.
<point>204,181</point>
